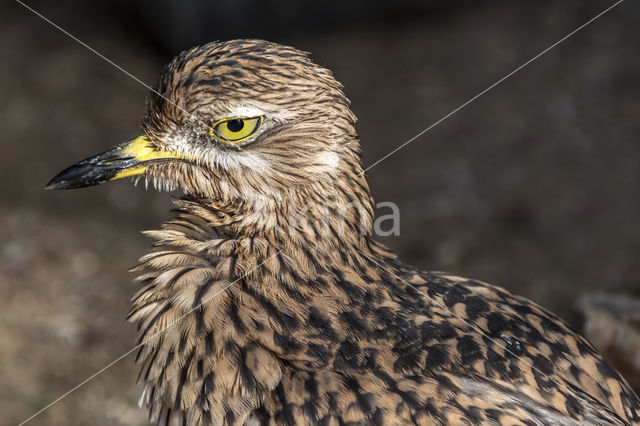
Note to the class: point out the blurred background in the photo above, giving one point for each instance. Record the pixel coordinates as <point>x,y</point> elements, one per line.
<point>533,187</point>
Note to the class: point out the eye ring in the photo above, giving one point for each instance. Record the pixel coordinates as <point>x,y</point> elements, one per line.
<point>235,129</point>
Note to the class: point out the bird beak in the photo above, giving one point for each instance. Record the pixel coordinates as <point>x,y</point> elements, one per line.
<point>127,159</point>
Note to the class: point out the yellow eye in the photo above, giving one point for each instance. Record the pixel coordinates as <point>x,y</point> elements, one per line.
<point>235,129</point>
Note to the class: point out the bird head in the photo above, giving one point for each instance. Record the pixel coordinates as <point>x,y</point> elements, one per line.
<point>243,122</point>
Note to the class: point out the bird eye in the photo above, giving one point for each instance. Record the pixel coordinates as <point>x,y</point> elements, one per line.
<point>235,129</point>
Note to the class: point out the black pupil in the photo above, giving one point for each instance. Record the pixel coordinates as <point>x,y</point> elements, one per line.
<point>235,125</point>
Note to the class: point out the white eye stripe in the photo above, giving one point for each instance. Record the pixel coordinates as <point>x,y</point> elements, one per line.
<point>245,111</point>
<point>255,109</point>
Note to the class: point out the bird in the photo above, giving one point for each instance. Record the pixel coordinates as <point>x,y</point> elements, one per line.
<point>266,298</point>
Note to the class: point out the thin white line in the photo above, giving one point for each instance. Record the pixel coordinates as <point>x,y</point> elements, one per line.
<point>99,54</point>
<point>492,86</point>
<point>174,322</point>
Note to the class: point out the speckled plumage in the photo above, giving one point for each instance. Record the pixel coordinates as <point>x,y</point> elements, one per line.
<point>266,300</point>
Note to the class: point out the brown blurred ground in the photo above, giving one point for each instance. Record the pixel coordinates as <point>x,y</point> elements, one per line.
<point>534,187</point>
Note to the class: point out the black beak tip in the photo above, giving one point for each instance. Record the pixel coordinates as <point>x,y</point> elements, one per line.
<point>80,175</point>
<point>63,180</point>
<point>58,184</point>
<point>51,186</point>
<point>93,171</point>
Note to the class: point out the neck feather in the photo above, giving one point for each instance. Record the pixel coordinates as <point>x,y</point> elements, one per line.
<point>213,291</point>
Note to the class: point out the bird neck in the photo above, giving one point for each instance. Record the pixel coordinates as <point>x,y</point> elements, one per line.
<point>215,293</point>
<point>236,244</point>
<point>310,218</point>
<point>206,251</point>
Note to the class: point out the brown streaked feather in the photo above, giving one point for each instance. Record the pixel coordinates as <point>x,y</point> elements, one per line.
<point>266,300</point>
